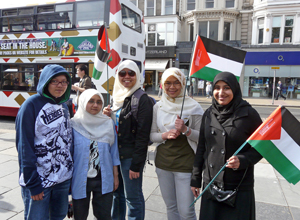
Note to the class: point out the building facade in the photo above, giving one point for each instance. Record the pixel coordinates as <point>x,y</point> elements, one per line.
<point>163,30</point>
<point>269,30</point>
<point>274,52</point>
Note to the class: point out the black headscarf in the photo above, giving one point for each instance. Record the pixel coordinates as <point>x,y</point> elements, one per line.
<point>223,112</point>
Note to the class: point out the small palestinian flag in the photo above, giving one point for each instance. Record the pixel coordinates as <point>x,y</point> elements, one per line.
<point>278,141</point>
<point>102,52</point>
<point>211,57</point>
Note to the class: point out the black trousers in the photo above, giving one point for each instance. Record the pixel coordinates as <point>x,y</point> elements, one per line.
<point>101,203</point>
<point>279,93</point>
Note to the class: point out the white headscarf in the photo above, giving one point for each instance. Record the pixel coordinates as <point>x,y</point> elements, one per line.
<point>97,127</point>
<point>120,92</point>
<point>169,107</point>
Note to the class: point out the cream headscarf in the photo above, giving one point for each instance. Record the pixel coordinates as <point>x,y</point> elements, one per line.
<point>169,107</point>
<point>120,92</point>
<point>97,127</point>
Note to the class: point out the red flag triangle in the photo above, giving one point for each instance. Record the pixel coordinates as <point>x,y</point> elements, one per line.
<point>200,57</point>
<point>103,39</point>
<point>270,129</point>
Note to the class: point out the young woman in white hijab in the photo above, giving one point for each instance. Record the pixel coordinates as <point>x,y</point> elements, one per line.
<point>133,139</point>
<point>96,158</point>
<point>177,142</point>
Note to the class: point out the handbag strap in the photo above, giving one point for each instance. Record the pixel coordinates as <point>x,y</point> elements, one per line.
<point>240,181</point>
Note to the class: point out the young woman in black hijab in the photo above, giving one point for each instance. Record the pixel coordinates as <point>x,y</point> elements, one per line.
<point>226,125</point>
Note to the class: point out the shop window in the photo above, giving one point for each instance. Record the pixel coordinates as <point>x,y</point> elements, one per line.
<point>226,33</point>
<point>260,24</point>
<point>288,29</point>
<point>191,5</point>
<point>260,87</point>
<point>276,24</point>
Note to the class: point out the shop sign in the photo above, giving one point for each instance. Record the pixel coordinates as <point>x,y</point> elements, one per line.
<point>160,52</point>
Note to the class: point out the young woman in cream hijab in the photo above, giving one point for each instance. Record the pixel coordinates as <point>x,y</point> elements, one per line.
<point>133,138</point>
<point>96,158</point>
<point>177,142</point>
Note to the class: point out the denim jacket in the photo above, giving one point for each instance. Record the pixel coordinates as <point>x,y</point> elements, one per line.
<point>109,157</point>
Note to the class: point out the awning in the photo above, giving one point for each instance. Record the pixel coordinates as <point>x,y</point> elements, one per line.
<point>156,64</point>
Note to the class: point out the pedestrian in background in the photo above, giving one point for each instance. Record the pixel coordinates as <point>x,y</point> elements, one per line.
<point>177,141</point>
<point>191,92</point>
<point>208,90</point>
<point>279,91</point>
<point>160,90</point>
<point>84,83</point>
<point>44,141</point>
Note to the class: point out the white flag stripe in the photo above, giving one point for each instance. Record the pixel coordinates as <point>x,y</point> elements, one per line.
<point>288,147</point>
<point>99,65</point>
<point>225,64</point>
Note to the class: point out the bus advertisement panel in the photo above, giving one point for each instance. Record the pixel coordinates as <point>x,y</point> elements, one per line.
<point>32,37</point>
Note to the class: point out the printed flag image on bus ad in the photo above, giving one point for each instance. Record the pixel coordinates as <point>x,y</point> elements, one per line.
<point>37,47</point>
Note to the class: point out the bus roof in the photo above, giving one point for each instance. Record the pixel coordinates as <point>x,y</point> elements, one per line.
<point>27,3</point>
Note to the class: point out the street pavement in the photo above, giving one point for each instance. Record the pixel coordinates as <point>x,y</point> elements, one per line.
<point>276,199</point>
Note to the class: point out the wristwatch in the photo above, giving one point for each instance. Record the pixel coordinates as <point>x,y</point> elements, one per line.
<point>187,131</point>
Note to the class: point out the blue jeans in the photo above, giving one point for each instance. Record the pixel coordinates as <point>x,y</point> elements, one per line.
<point>54,205</point>
<point>129,191</point>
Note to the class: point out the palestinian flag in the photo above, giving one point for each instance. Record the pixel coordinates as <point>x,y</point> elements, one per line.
<point>278,141</point>
<point>211,57</point>
<point>102,52</point>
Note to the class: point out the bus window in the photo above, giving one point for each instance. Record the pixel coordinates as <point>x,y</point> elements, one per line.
<point>64,7</point>
<point>90,14</point>
<point>20,24</point>
<point>17,20</point>
<point>51,17</point>
<point>20,78</point>
<point>131,19</point>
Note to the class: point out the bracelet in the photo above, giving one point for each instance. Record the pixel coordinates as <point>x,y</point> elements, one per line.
<point>187,131</point>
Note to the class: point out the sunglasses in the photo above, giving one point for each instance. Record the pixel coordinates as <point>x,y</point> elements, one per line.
<point>122,73</point>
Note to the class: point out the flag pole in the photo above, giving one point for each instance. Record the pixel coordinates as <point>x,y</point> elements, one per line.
<point>107,66</point>
<point>183,96</point>
<point>107,84</point>
<point>191,59</point>
<point>238,150</point>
